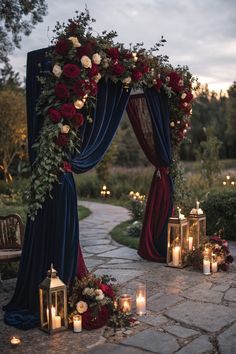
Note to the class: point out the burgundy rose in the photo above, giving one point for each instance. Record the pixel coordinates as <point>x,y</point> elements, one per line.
<point>118,69</point>
<point>67,166</point>
<point>72,27</point>
<point>91,322</point>
<point>93,88</point>
<point>107,290</point>
<point>62,139</point>
<point>54,115</point>
<point>158,84</point>
<point>86,49</point>
<point>229,259</point>
<point>79,88</point>
<point>188,98</point>
<point>68,110</point>
<point>93,71</point>
<point>137,75</point>
<point>78,120</point>
<point>175,81</point>
<point>127,55</point>
<point>61,91</point>
<point>224,267</point>
<point>186,108</point>
<point>145,68</point>
<point>62,46</point>
<point>113,53</point>
<point>71,70</point>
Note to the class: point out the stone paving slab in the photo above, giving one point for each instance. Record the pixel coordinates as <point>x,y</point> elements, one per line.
<point>180,331</point>
<point>99,248</point>
<point>158,303</point>
<point>230,295</point>
<point>227,340</point>
<point>198,346</point>
<point>205,295</point>
<point>122,252</point>
<point>121,277</point>
<point>116,349</point>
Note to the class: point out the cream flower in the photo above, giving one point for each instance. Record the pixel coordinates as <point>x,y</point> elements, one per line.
<point>79,104</point>
<point>96,58</point>
<point>75,42</point>
<point>99,294</point>
<point>65,129</point>
<point>86,62</point>
<point>183,96</point>
<point>57,70</point>
<point>89,292</point>
<point>81,307</point>
<point>172,124</point>
<point>127,80</point>
<point>106,63</point>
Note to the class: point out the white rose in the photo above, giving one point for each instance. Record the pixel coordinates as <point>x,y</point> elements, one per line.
<point>96,58</point>
<point>75,42</point>
<point>86,62</point>
<point>167,78</point>
<point>90,292</point>
<point>172,124</point>
<point>99,294</point>
<point>183,96</point>
<point>97,77</point>
<point>79,104</point>
<point>57,70</point>
<point>106,62</point>
<point>127,80</point>
<point>65,129</point>
<point>81,307</point>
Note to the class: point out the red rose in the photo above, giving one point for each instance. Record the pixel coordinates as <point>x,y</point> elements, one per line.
<point>89,322</point>
<point>93,71</point>
<point>145,68</point>
<point>62,47</point>
<point>68,110</point>
<point>118,69</point>
<point>62,139</point>
<point>54,115</point>
<point>61,91</point>
<point>93,88</point>
<point>86,49</point>
<point>71,70</point>
<point>158,84</point>
<point>72,27</point>
<point>188,97</point>
<point>78,120</point>
<point>113,53</point>
<point>107,290</point>
<point>175,81</point>
<point>67,166</point>
<point>137,75</point>
<point>186,108</point>
<point>79,89</point>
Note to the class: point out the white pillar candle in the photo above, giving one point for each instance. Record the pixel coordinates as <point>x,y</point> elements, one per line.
<point>190,243</point>
<point>53,313</point>
<point>206,266</point>
<point>140,304</point>
<point>176,256</point>
<point>214,267</point>
<point>77,323</point>
<point>197,204</point>
<point>57,322</point>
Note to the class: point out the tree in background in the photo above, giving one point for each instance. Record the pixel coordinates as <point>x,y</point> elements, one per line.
<point>231,119</point>
<point>18,17</point>
<point>103,168</point>
<point>13,129</point>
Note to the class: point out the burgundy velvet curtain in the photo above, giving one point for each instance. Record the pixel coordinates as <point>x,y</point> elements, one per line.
<point>151,127</point>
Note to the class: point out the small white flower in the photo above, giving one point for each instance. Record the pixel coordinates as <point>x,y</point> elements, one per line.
<point>185,104</point>
<point>99,294</point>
<point>183,96</point>
<point>57,70</point>
<point>75,42</point>
<point>167,79</point>
<point>86,62</point>
<point>85,291</point>
<point>65,129</point>
<point>81,307</point>
<point>79,104</point>
<point>127,80</point>
<point>96,58</point>
<point>172,124</point>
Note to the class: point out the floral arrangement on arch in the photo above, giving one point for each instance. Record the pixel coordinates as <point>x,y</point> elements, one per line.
<point>95,298</point>
<point>80,59</point>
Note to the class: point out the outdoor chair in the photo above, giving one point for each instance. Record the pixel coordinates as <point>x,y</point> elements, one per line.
<point>11,238</point>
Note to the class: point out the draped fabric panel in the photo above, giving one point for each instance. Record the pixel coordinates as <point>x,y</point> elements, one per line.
<point>54,235</point>
<point>149,116</point>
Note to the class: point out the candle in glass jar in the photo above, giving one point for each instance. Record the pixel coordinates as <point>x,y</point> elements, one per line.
<point>214,267</point>
<point>57,322</point>
<point>125,303</point>
<point>190,243</point>
<point>77,323</point>
<point>176,255</point>
<point>206,266</point>
<point>140,304</point>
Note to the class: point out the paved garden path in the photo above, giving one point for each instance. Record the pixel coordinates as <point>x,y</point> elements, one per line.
<point>188,313</point>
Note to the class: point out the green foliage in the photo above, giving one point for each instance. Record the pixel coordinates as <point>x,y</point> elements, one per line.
<point>120,235</point>
<point>134,229</point>
<point>231,117</point>
<point>208,155</point>
<point>136,209</point>
<point>103,168</point>
<point>220,209</point>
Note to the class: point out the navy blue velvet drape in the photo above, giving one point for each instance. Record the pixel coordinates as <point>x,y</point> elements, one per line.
<point>54,235</point>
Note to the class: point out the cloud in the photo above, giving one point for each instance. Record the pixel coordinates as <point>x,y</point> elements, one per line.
<point>200,34</point>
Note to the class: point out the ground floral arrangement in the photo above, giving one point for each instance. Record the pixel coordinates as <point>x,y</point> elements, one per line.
<point>96,299</point>
<point>80,59</point>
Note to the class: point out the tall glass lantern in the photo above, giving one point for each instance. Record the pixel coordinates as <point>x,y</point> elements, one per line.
<point>197,227</point>
<point>53,303</point>
<point>177,246</point>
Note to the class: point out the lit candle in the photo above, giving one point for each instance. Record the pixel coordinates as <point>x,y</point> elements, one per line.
<point>53,313</point>
<point>57,322</point>
<point>176,256</point>
<point>190,243</point>
<point>77,323</point>
<point>125,303</point>
<point>206,266</point>
<point>214,267</point>
<point>197,204</point>
<point>47,311</point>
<point>140,304</point>
<point>15,341</point>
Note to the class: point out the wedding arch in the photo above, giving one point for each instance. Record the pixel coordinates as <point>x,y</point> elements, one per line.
<point>77,91</point>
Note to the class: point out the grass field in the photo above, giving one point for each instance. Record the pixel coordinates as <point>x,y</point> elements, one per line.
<point>119,234</point>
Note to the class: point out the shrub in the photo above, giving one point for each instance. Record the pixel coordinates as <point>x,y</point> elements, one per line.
<point>220,209</point>
<point>134,229</point>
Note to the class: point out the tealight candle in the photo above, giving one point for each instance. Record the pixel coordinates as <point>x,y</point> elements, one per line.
<point>125,303</point>
<point>190,243</point>
<point>77,323</point>
<point>176,256</point>
<point>15,341</point>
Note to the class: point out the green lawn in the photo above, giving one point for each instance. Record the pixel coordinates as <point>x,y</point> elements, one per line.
<point>119,234</point>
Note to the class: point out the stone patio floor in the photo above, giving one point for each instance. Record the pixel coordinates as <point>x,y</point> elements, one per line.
<point>188,313</point>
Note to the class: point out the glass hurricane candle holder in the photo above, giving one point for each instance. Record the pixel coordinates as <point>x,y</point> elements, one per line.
<point>141,299</point>
<point>125,303</point>
<point>197,227</point>
<point>206,265</point>
<point>77,323</point>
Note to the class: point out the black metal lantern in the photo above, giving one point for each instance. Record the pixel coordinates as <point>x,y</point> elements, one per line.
<point>53,303</point>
